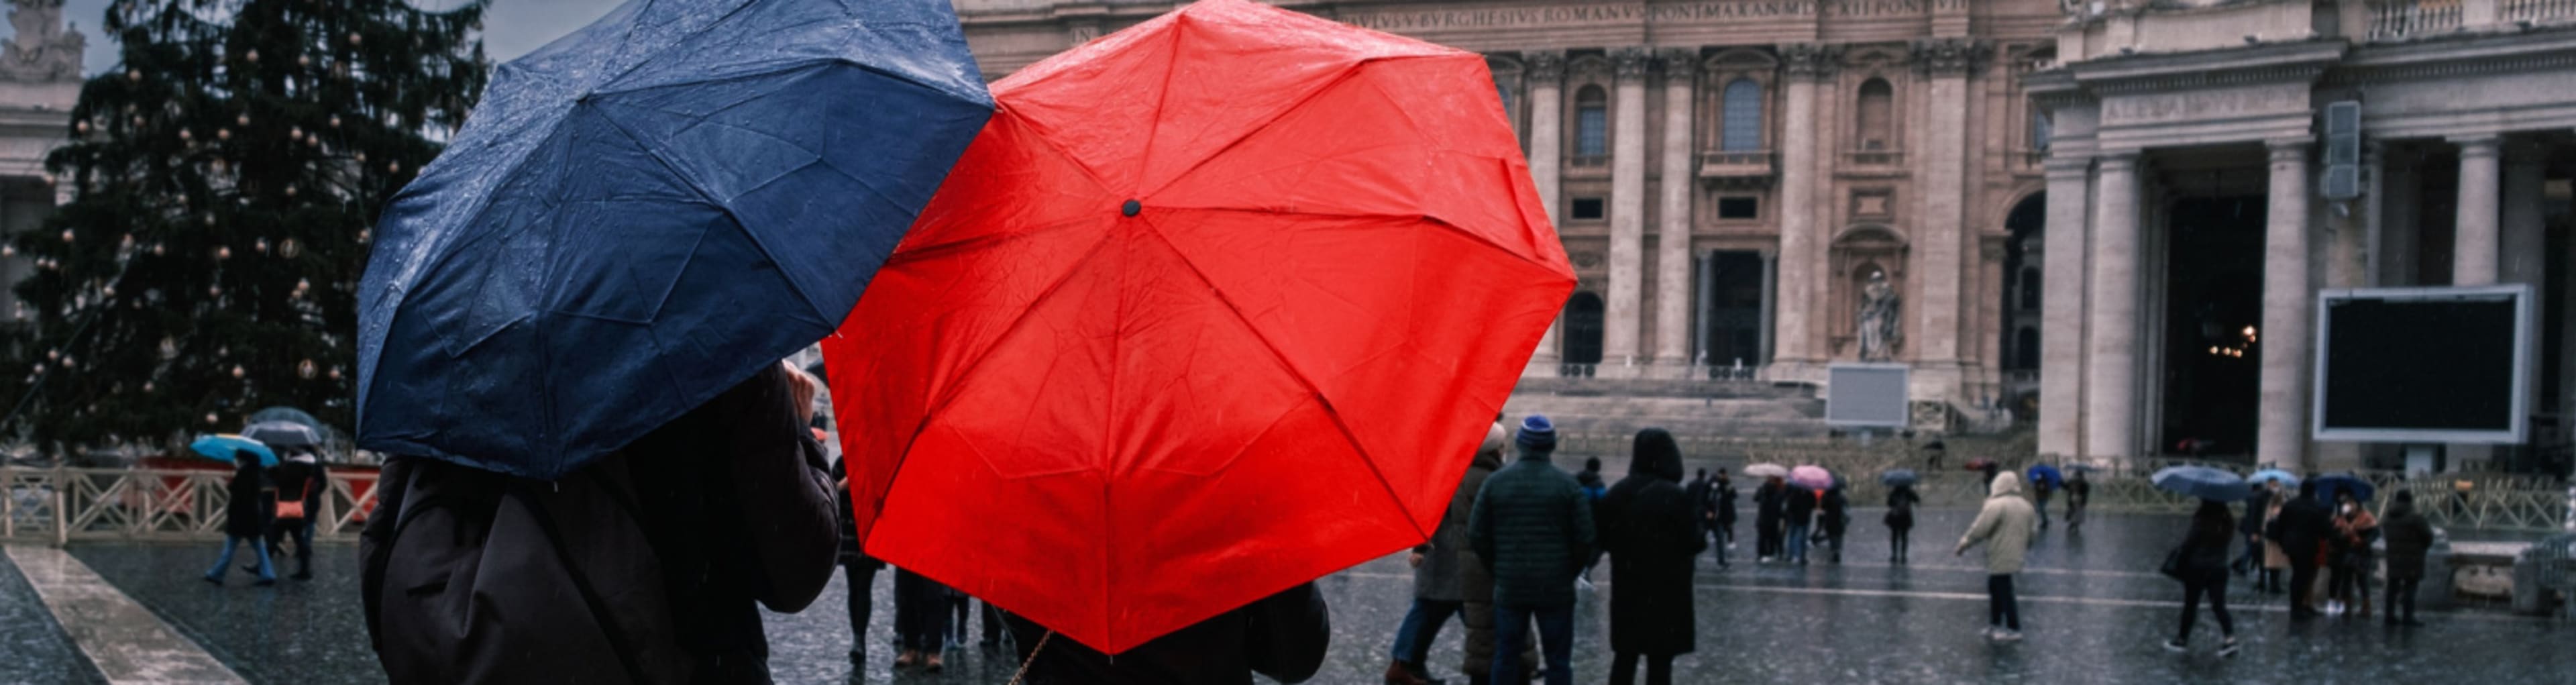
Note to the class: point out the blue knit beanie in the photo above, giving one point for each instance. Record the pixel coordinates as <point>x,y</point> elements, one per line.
<point>1537,434</point>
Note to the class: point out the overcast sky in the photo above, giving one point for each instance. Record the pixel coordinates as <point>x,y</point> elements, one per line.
<point>512,28</point>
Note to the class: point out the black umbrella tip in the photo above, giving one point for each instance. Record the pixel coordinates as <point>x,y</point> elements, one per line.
<point>1131,208</point>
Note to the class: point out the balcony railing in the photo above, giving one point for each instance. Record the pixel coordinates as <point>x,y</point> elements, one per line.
<point>1748,164</point>
<point>2537,11</point>
<point>2402,19</point>
<point>1874,158</point>
<point>1591,160</point>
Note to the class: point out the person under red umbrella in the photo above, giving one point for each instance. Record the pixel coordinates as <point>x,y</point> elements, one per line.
<point>1207,311</point>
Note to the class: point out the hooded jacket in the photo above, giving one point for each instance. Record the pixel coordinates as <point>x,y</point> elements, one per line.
<point>2005,525</point>
<point>2408,535</point>
<point>1651,530</point>
<point>1437,577</point>
<point>1532,526</point>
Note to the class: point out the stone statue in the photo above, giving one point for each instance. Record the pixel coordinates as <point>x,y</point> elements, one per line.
<point>1880,332</point>
<point>43,50</point>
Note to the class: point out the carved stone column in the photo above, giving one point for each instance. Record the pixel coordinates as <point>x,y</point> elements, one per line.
<point>1546,71</point>
<point>1627,210</point>
<point>1800,256</point>
<point>2061,319</point>
<point>2473,256</point>
<point>2281,414</point>
<point>2110,420</point>
<point>1673,229</point>
<point>1943,167</point>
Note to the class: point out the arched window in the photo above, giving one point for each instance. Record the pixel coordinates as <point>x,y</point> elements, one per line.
<point>2030,287</point>
<point>1591,124</point>
<point>1742,111</point>
<point>1876,112</point>
<point>1583,329</point>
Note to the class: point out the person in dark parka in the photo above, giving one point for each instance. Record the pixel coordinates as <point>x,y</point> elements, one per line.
<point>2250,526</point>
<point>300,479</point>
<point>1834,516</point>
<point>1532,527</point>
<point>2302,529</point>
<point>2409,537</point>
<point>1650,528</point>
<point>246,520</point>
<point>1901,501</point>
<point>2201,565</point>
<point>1282,636</point>
<point>1800,519</point>
<point>1721,499</point>
<point>1475,582</point>
<point>858,568</point>
<point>1770,504</point>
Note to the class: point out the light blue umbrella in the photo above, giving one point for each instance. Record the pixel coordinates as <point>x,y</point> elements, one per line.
<point>2288,480</point>
<point>230,447</point>
<point>2202,482</point>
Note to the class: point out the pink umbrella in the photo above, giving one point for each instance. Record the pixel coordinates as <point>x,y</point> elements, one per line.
<point>1811,477</point>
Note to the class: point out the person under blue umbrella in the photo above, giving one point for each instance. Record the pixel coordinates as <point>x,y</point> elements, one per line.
<point>246,519</point>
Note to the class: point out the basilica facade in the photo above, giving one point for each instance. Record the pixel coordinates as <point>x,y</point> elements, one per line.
<point>1731,177</point>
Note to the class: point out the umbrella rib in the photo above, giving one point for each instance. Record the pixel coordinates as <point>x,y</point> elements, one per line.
<point>690,183</point>
<point>1444,224</point>
<point>1282,358</point>
<point>1154,122</point>
<point>966,374</point>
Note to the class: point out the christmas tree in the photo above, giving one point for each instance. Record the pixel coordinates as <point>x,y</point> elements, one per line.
<point>226,172</point>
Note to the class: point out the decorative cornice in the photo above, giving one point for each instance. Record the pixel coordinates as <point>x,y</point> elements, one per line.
<point>1810,60</point>
<point>1630,63</point>
<point>1677,62</point>
<point>1951,56</point>
<point>2465,65</point>
<point>1544,66</point>
<point>2216,78</point>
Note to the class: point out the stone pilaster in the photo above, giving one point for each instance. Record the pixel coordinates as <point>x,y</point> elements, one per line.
<point>2110,419</point>
<point>2473,255</point>
<point>1942,240</point>
<point>2525,241</point>
<point>2061,319</point>
<point>1673,229</point>
<point>1546,103</point>
<point>1623,321</point>
<point>1801,254</point>
<point>2281,413</point>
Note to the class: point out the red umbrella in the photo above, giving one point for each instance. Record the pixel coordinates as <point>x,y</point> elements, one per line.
<point>1214,306</point>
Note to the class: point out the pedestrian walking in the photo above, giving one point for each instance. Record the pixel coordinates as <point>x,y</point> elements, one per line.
<point>1651,529</point>
<point>920,620</point>
<point>1834,516</point>
<point>2200,562</point>
<point>2040,489</point>
<point>2079,492</point>
<point>1437,591</point>
<point>246,519</point>
<point>2258,507</point>
<point>2276,562</point>
<point>1282,637</point>
<point>2355,530</point>
<point>1770,516</point>
<point>299,482</point>
<point>1799,518</point>
<point>1704,506</point>
<point>2302,527</point>
<point>2409,536</point>
<point>1901,501</point>
<point>1722,506</point>
<point>2005,526</point>
<point>858,570</point>
<point>1594,488</point>
<point>1476,580</point>
<point>647,565</point>
<point>1532,526</point>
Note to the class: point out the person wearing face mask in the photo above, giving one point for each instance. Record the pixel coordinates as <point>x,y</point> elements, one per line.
<point>2355,529</point>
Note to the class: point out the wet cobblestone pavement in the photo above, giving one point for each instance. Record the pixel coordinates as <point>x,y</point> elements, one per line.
<point>2094,609</point>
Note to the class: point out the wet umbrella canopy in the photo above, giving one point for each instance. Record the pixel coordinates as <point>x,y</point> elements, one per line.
<point>645,212</point>
<point>230,447</point>
<point>1216,305</point>
<point>2202,482</point>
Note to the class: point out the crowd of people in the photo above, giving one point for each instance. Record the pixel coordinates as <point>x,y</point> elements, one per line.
<point>267,505</point>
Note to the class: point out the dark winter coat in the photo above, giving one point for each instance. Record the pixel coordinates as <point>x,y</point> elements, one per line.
<point>1801,507</point>
<point>2303,526</point>
<point>1532,527</point>
<point>246,513</point>
<point>1770,502</point>
<point>2204,546</point>
<point>1723,494</point>
<point>1475,581</point>
<point>1282,636</point>
<point>304,480</point>
<point>1649,528</point>
<point>1837,513</point>
<point>1703,502</point>
<point>648,565</point>
<point>1901,501</point>
<point>2409,536</point>
<point>2255,506</point>
<point>851,553</point>
<point>1438,576</point>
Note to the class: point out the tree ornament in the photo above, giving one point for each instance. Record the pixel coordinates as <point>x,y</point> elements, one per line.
<point>214,291</point>
<point>147,386</point>
<point>210,418</point>
<point>223,134</point>
<point>135,75</point>
<point>157,248</point>
<point>261,244</point>
<point>362,158</point>
<point>289,249</point>
<point>305,369</point>
<point>335,373</point>
<point>169,347</point>
<point>242,120</point>
<point>8,250</point>
<point>290,191</point>
<point>355,39</point>
<point>303,60</point>
<point>82,126</point>
<point>67,361</point>
<point>67,235</point>
<point>362,236</point>
<point>223,252</point>
<point>51,355</point>
<point>253,56</point>
<point>394,167</point>
<point>237,371</point>
<point>293,132</point>
<point>335,121</point>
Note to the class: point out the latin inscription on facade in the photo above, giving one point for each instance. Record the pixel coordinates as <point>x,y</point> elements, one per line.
<point>2203,104</point>
<point>1589,15</point>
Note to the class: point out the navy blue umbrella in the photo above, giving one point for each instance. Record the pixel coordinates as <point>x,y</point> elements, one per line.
<point>644,213</point>
<point>2329,484</point>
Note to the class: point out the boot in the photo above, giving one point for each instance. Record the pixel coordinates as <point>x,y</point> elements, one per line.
<point>1397,674</point>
